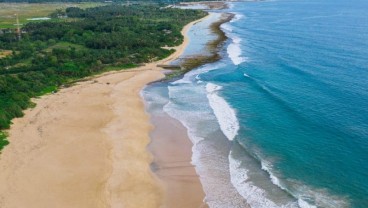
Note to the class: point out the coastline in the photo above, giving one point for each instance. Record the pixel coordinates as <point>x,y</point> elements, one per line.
<point>212,48</point>
<point>170,145</point>
<point>85,146</point>
<point>172,152</point>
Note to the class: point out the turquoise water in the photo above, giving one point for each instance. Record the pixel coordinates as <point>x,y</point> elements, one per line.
<point>282,119</point>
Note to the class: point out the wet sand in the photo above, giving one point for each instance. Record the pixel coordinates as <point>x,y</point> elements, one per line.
<point>172,151</point>
<point>85,146</point>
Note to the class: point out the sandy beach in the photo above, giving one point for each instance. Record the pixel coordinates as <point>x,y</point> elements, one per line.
<point>170,144</point>
<point>85,146</point>
<point>172,151</point>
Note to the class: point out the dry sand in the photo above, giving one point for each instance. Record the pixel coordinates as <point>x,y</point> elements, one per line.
<point>85,146</point>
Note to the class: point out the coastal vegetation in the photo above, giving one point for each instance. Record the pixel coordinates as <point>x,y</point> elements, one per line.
<point>50,54</point>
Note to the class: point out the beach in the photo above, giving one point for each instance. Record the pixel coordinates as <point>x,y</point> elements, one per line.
<point>265,106</point>
<point>170,145</point>
<point>85,146</point>
<point>172,152</point>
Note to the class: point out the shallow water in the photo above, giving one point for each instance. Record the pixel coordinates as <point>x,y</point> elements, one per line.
<point>282,119</point>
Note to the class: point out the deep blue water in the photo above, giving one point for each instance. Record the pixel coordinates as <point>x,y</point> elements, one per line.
<point>305,102</point>
<point>290,96</point>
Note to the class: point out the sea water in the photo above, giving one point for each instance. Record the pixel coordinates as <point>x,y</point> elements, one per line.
<point>282,119</point>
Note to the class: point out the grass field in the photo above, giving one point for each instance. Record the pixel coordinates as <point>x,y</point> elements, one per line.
<point>5,53</point>
<point>26,11</point>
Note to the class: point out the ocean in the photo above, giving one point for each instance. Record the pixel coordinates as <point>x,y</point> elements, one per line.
<point>282,119</point>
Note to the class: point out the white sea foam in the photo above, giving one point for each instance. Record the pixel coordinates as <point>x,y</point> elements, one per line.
<point>304,204</point>
<point>172,110</point>
<point>236,40</point>
<point>182,81</point>
<point>195,74</point>
<point>154,99</point>
<point>266,167</point>
<point>234,51</point>
<point>255,196</point>
<point>189,104</point>
<point>307,197</point>
<point>224,113</point>
<point>226,27</point>
<point>237,17</point>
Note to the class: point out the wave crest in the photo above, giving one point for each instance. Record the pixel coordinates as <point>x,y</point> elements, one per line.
<point>234,50</point>
<point>225,115</point>
<point>308,197</point>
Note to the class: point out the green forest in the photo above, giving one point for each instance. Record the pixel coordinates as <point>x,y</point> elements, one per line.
<point>90,41</point>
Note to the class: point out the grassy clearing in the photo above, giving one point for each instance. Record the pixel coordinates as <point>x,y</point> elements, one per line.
<point>26,11</point>
<point>5,53</point>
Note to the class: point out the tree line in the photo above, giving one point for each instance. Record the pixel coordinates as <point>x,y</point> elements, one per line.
<point>89,41</point>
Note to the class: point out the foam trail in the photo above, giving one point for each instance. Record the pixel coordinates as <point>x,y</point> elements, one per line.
<point>226,27</point>
<point>237,17</point>
<point>224,113</point>
<point>253,195</point>
<point>233,50</point>
<point>189,104</point>
<point>252,183</point>
<point>304,204</point>
<point>230,5</point>
<point>192,75</point>
<point>307,196</point>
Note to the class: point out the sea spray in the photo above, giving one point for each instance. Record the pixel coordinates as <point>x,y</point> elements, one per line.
<point>233,49</point>
<point>224,113</point>
<point>189,104</point>
<point>307,197</point>
<point>253,183</point>
<point>255,196</point>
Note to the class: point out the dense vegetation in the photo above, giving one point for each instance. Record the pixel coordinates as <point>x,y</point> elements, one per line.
<point>90,41</point>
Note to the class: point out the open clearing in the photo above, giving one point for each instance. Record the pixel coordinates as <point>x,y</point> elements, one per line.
<point>26,11</point>
<point>4,53</point>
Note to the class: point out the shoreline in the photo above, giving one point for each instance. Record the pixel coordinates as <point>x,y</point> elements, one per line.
<point>170,145</point>
<point>79,147</point>
<point>172,152</point>
<point>213,48</point>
